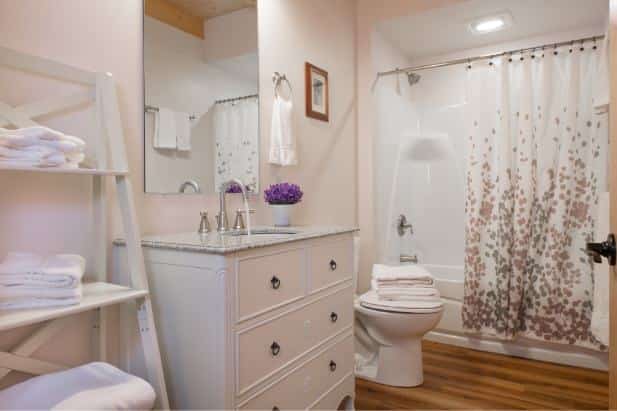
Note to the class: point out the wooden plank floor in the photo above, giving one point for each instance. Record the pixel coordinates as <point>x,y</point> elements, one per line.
<point>459,378</point>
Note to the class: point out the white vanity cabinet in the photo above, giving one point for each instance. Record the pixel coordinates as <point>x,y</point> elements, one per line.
<point>268,327</point>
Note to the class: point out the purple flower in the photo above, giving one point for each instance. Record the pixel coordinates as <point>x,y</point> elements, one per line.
<point>234,189</point>
<point>283,193</point>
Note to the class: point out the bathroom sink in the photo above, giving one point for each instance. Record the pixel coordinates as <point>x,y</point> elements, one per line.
<point>273,231</point>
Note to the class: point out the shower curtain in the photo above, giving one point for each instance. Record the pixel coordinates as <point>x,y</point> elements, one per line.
<point>236,139</point>
<point>536,163</point>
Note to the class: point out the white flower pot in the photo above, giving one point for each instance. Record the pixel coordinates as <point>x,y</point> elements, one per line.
<point>280,214</point>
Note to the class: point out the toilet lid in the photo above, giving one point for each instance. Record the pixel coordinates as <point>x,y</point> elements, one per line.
<point>371,300</point>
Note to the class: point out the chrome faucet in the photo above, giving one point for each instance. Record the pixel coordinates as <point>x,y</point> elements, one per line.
<point>403,225</point>
<point>189,183</point>
<point>222,222</point>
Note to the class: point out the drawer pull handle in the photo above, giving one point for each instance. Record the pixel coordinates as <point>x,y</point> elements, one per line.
<point>332,366</point>
<point>332,265</point>
<point>275,348</point>
<point>275,408</point>
<point>333,317</point>
<point>276,283</point>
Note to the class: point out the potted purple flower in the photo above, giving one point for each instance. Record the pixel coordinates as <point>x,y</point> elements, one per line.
<point>281,197</point>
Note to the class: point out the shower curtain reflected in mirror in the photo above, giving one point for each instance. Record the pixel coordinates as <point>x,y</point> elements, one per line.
<point>536,165</point>
<point>236,139</point>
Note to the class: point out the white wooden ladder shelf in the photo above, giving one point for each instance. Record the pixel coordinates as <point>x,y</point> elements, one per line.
<point>110,161</point>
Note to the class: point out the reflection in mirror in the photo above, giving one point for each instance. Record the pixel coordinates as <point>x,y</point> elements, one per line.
<point>201,95</point>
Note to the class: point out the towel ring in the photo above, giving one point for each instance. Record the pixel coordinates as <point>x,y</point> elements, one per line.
<point>277,79</point>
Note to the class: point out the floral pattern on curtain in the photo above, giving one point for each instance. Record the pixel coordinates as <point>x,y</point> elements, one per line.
<point>536,164</point>
<point>236,140</point>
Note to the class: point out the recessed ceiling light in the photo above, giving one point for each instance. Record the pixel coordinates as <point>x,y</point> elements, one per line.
<point>490,24</point>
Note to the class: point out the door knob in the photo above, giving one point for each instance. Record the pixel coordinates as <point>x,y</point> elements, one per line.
<point>605,249</point>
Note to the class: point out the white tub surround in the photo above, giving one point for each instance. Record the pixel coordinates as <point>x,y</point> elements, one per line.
<point>259,323</point>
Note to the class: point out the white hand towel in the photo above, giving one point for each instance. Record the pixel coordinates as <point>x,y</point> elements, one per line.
<point>27,269</point>
<point>165,129</point>
<point>600,313</point>
<point>94,386</point>
<point>183,131</point>
<point>282,138</point>
<point>401,272</point>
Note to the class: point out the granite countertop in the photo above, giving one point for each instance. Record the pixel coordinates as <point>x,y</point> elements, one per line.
<point>217,243</point>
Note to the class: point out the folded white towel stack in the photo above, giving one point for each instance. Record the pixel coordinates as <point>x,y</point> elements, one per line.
<point>40,146</point>
<point>32,281</point>
<point>405,282</point>
<point>94,386</point>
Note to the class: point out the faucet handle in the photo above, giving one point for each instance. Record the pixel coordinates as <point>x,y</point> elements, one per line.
<point>239,222</point>
<point>204,223</point>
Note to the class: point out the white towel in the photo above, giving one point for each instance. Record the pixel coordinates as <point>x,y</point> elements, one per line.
<point>165,129</point>
<point>600,313</point>
<point>601,80</point>
<point>282,138</point>
<point>94,386</point>
<point>27,269</point>
<point>23,137</point>
<point>39,146</point>
<point>410,290</point>
<point>382,272</point>
<point>183,131</point>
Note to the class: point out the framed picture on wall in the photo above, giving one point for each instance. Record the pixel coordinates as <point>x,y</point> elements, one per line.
<point>317,93</point>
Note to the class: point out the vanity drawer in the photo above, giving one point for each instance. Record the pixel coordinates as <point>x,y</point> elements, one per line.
<point>268,347</point>
<point>331,262</point>
<point>269,281</point>
<point>307,384</point>
<point>333,399</point>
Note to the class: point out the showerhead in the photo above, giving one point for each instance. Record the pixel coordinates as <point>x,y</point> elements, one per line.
<point>412,78</point>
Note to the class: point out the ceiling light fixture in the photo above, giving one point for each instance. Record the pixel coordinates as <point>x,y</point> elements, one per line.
<point>490,24</point>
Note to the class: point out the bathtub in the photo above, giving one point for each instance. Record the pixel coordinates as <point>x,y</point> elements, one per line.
<point>449,282</point>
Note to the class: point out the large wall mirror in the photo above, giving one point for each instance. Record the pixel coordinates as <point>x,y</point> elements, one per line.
<point>201,95</point>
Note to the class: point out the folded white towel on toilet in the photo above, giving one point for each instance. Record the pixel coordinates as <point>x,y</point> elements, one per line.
<point>419,291</point>
<point>382,272</point>
<point>94,386</point>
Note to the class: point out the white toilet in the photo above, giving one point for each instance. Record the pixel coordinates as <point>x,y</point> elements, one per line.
<point>394,331</point>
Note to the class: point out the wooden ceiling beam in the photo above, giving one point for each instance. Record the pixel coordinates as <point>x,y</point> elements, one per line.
<point>172,15</point>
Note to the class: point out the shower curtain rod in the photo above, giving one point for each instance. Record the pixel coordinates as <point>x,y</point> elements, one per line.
<point>486,56</point>
<point>229,100</point>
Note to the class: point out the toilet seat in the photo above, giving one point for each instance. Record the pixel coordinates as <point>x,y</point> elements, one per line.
<point>371,301</point>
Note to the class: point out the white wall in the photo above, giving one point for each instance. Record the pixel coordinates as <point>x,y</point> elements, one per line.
<point>321,32</point>
<point>230,35</point>
<point>369,14</point>
<point>178,77</point>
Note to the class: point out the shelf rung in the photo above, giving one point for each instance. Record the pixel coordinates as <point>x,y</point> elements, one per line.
<point>95,295</point>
